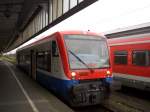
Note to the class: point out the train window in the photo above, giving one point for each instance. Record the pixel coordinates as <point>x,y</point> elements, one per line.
<point>27,59</point>
<point>140,58</point>
<point>44,60</point>
<point>54,49</point>
<point>20,58</point>
<point>48,60</point>
<point>40,60</point>
<point>120,57</point>
<point>86,51</point>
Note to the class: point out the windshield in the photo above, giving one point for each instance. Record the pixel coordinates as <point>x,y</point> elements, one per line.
<point>87,51</point>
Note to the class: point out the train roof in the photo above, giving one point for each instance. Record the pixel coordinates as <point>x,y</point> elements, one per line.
<point>133,39</point>
<point>46,38</point>
<point>130,30</point>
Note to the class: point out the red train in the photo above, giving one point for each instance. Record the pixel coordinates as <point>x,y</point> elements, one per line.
<point>131,60</point>
<point>73,64</point>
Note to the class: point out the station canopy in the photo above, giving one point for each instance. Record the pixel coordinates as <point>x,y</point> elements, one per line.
<point>21,20</point>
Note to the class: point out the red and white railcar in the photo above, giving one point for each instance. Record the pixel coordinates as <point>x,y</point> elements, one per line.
<point>131,60</point>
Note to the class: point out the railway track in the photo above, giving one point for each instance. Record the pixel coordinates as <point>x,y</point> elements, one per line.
<point>121,101</point>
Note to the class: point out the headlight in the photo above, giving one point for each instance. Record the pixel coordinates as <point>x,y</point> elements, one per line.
<point>73,74</point>
<point>108,73</point>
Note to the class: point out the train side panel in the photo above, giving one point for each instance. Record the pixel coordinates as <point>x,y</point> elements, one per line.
<point>56,80</point>
<point>131,61</point>
<point>49,69</point>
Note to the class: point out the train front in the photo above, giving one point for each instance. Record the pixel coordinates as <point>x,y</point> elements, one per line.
<point>90,70</point>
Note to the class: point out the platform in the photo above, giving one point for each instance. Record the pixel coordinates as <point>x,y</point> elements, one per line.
<point>20,93</point>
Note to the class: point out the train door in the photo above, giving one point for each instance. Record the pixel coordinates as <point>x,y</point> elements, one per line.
<point>33,64</point>
<point>55,58</point>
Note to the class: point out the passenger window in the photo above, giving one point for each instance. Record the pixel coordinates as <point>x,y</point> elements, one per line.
<point>120,57</point>
<point>44,60</point>
<point>40,60</point>
<point>27,59</point>
<point>141,58</point>
<point>54,49</point>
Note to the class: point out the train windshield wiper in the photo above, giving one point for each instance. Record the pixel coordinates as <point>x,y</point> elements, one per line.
<point>77,57</point>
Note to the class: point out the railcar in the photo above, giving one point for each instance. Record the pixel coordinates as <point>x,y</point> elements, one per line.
<point>73,64</point>
<point>131,60</point>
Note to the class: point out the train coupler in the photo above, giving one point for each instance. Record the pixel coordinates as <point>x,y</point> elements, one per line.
<point>88,94</point>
